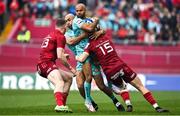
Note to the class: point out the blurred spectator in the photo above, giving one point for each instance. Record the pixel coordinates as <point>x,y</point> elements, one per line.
<point>122,33</point>
<point>91,4</point>
<point>144,11</point>
<point>154,23</point>
<point>132,21</point>
<point>176,3</point>
<point>141,35</point>
<point>2,12</point>
<point>14,7</point>
<point>129,20</point>
<point>24,34</point>
<point>150,37</point>
<point>82,1</point>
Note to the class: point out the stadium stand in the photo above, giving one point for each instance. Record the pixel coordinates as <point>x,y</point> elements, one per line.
<point>144,59</point>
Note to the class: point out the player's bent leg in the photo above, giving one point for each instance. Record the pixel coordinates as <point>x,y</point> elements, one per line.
<point>87,85</point>
<point>67,77</point>
<point>87,72</point>
<point>55,77</point>
<point>99,82</point>
<point>136,82</point>
<point>88,78</point>
<point>80,83</point>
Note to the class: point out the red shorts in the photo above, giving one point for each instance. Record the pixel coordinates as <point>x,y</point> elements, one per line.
<point>45,68</point>
<point>124,72</point>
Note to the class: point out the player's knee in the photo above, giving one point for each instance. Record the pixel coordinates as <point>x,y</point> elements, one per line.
<point>59,85</point>
<point>80,87</point>
<point>88,78</point>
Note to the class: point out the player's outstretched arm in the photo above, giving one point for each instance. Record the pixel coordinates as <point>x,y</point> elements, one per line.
<point>82,57</point>
<point>63,58</point>
<point>74,40</point>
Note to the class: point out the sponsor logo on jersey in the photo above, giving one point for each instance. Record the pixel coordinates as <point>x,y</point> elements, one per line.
<point>79,21</point>
<point>120,73</point>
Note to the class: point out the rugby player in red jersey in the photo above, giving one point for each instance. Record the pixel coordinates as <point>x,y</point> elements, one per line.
<point>52,48</point>
<point>115,69</point>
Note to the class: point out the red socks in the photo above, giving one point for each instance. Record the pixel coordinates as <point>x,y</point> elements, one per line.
<point>59,98</point>
<point>125,95</point>
<point>148,96</point>
<point>65,98</point>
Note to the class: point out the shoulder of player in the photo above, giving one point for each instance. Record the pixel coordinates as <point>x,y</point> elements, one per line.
<point>57,35</point>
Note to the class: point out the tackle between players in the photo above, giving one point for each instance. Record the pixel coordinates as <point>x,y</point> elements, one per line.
<point>115,69</point>
<point>71,42</point>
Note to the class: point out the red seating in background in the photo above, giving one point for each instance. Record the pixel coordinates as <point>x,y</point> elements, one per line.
<point>23,58</point>
<point>38,29</point>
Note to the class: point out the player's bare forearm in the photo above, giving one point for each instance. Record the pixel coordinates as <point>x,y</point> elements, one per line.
<point>72,41</point>
<point>82,57</point>
<point>67,65</point>
<point>63,58</point>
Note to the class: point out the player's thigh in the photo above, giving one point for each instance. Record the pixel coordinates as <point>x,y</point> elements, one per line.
<point>95,69</point>
<point>127,73</point>
<point>87,69</point>
<point>67,76</point>
<point>45,68</point>
<point>80,79</point>
<point>55,77</point>
<point>136,82</point>
<point>79,66</point>
<point>99,81</point>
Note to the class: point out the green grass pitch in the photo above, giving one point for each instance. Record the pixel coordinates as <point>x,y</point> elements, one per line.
<point>41,102</point>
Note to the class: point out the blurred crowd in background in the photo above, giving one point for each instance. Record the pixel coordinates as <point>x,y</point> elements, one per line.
<point>129,21</point>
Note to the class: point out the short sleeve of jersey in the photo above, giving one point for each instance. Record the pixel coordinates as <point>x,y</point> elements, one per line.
<point>79,22</point>
<point>61,41</point>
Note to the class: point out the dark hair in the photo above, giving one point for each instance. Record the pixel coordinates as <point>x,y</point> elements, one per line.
<point>60,22</point>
